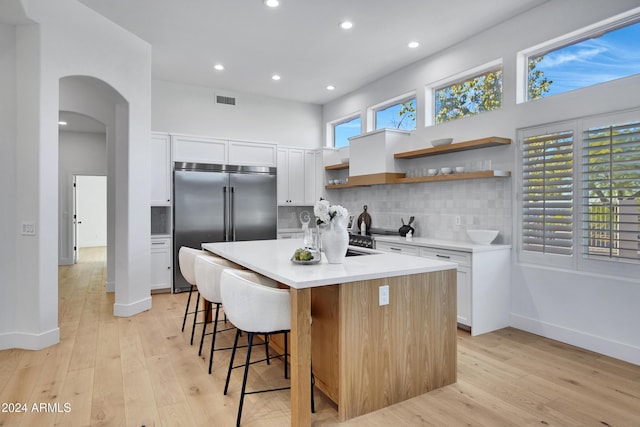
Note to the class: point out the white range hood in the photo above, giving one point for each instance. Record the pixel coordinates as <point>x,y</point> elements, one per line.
<point>371,158</point>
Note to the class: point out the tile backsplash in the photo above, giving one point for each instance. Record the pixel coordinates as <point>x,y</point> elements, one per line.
<point>478,203</point>
<point>289,216</point>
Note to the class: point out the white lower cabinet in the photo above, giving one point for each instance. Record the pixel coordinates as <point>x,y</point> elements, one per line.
<point>483,282</point>
<point>161,264</point>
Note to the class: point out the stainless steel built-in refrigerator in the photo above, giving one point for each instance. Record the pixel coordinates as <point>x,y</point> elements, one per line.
<point>219,203</point>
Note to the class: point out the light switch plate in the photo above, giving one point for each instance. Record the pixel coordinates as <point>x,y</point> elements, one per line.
<point>383,295</point>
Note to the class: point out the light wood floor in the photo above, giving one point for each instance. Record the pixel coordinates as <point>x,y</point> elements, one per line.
<point>141,371</point>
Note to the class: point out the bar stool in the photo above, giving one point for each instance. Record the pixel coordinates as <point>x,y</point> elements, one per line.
<point>186,259</point>
<point>207,273</point>
<point>255,305</point>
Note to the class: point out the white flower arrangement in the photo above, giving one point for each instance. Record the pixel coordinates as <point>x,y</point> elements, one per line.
<point>325,211</point>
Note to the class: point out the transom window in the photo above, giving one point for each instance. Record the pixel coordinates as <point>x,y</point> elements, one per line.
<point>397,115</point>
<point>345,129</point>
<point>598,55</point>
<point>468,97</point>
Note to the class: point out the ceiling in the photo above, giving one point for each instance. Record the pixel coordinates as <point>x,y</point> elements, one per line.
<point>300,40</point>
<point>79,123</point>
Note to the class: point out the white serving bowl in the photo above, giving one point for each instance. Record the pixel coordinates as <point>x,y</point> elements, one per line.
<point>459,169</point>
<point>445,171</point>
<point>432,172</point>
<point>344,160</point>
<point>482,237</point>
<point>441,141</point>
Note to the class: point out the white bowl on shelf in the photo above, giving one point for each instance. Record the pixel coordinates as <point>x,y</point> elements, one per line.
<point>482,237</point>
<point>445,171</point>
<point>441,141</point>
<point>344,160</point>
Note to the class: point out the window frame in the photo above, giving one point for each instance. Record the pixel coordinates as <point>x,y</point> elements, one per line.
<point>331,128</point>
<point>431,88</point>
<point>401,99</point>
<point>599,28</point>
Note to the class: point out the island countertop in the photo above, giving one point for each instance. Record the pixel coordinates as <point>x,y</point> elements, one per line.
<point>272,258</point>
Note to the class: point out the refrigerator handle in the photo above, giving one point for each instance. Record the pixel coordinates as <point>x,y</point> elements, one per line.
<point>232,214</point>
<point>225,232</point>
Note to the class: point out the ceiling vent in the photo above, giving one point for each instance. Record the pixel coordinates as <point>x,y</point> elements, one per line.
<point>226,100</point>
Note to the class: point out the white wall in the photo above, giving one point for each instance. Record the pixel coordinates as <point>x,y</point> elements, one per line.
<point>598,313</point>
<point>192,110</point>
<point>8,224</point>
<point>69,39</point>
<point>81,153</point>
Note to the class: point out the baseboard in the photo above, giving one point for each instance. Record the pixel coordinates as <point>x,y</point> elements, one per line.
<point>608,347</point>
<point>29,341</point>
<point>128,310</point>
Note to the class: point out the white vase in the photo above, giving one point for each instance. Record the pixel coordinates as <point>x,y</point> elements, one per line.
<point>335,240</point>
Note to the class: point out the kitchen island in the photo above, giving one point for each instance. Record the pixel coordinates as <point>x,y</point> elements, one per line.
<point>373,354</point>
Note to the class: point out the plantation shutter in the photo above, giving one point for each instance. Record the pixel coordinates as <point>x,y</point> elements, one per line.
<point>547,193</point>
<point>611,184</point>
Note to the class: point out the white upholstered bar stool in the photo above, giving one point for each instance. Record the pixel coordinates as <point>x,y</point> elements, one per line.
<point>208,269</point>
<point>255,305</point>
<point>186,259</point>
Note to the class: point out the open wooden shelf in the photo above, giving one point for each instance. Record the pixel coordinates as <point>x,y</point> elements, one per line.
<point>436,178</point>
<point>452,148</point>
<point>337,167</point>
<point>456,176</point>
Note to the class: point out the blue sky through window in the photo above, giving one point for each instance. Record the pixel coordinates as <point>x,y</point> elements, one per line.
<point>611,56</point>
<point>343,131</point>
<point>390,117</point>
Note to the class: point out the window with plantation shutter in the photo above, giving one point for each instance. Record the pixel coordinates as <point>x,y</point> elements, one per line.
<point>547,193</point>
<point>611,188</point>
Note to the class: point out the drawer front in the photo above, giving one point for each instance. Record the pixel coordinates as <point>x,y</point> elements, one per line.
<point>290,235</point>
<point>160,243</point>
<point>398,248</point>
<point>462,258</point>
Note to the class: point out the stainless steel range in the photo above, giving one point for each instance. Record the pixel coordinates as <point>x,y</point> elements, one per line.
<point>361,241</point>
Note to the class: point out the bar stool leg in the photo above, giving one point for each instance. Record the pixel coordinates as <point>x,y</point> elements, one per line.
<point>286,355</point>
<point>213,338</point>
<point>233,355</point>
<point>195,318</point>
<point>244,378</point>
<point>186,310</point>
<point>204,328</point>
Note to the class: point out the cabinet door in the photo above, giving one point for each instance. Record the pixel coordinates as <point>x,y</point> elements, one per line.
<point>161,264</point>
<point>464,295</point>
<point>160,170</point>
<point>252,153</point>
<point>199,150</point>
<point>296,176</point>
<point>313,176</point>
<point>283,176</point>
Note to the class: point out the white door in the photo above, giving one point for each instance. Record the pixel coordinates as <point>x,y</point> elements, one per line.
<point>90,215</point>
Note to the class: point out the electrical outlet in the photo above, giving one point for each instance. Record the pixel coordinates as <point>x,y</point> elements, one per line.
<point>458,221</point>
<point>28,228</point>
<point>383,295</point>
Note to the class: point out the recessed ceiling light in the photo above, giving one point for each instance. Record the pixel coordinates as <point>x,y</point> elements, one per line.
<point>219,67</point>
<point>62,123</point>
<point>275,77</point>
<point>331,87</point>
<point>272,3</point>
<point>345,25</point>
<point>413,45</point>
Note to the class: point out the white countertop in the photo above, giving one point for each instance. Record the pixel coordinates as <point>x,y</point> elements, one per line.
<point>441,244</point>
<point>272,258</point>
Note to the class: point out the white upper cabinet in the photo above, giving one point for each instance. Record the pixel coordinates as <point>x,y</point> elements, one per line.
<point>291,182</point>
<point>160,169</point>
<point>252,153</point>
<point>313,171</point>
<point>196,149</point>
